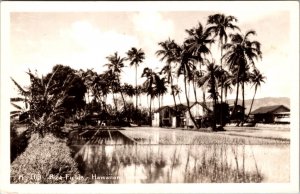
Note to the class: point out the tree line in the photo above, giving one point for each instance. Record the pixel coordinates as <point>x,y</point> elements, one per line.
<point>68,93</point>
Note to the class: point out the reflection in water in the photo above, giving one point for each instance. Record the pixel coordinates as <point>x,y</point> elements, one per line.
<point>111,162</point>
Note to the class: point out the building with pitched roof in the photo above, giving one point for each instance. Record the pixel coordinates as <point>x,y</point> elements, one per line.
<point>271,114</point>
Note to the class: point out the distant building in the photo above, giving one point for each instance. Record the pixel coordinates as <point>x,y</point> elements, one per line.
<point>167,116</point>
<point>271,114</point>
<point>197,111</point>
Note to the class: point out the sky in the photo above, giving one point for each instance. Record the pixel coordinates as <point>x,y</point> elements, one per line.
<point>83,39</point>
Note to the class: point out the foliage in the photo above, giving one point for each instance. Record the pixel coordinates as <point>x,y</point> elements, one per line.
<point>50,98</point>
<point>46,161</point>
<point>18,142</point>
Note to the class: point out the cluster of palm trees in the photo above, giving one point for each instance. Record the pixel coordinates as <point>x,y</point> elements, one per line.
<point>191,62</point>
<point>194,61</point>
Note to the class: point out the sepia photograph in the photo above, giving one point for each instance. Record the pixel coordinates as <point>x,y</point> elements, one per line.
<point>150,97</point>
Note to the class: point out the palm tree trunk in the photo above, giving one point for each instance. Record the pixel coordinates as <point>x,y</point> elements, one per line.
<point>237,92</point>
<point>173,93</point>
<point>123,100</point>
<point>136,93</point>
<point>222,81</point>
<point>243,103</point>
<point>114,99</point>
<point>222,87</point>
<point>150,113</point>
<point>204,99</point>
<point>251,103</point>
<point>195,92</point>
<point>188,103</point>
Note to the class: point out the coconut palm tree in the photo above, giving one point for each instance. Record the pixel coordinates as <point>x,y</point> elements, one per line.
<point>167,53</point>
<point>256,78</point>
<point>210,79</point>
<point>150,86</point>
<point>160,89</point>
<point>136,57</point>
<point>228,80</point>
<point>240,53</point>
<point>186,67</point>
<point>218,26</point>
<point>198,41</point>
<point>115,65</point>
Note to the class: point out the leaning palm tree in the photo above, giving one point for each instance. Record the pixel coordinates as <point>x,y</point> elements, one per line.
<point>256,78</point>
<point>240,53</point>
<point>136,57</point>
<point>186,67</point>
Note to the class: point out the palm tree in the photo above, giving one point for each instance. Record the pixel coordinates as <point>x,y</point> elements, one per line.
<point>240,53</point>
<point>160,88</point>
<point>167,53</point>
<point>198,41</point>
<point>150,86</point>
<point>211,81</point>
<point>218,26</point>
<point>115,65</point>
<point>227,83</point>
<point>256,78</point>
<point>136,57</point>
<point>186,66</point>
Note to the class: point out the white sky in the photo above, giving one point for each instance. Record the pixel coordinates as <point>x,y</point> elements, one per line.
<point>39,40</point>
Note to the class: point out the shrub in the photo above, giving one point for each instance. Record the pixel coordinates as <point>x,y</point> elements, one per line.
<point>46,160</point>
<point>18,143</point>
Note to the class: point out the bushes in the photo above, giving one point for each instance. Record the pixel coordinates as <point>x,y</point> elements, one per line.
<point>18,143</point>
<point>46,160</point>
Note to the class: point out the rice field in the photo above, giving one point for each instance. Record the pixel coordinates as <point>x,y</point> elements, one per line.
<point>177,156</point>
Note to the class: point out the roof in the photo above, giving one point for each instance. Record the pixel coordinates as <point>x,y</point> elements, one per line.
<point>183,107</point>
<point>161,108</point>
<point>268,109</point>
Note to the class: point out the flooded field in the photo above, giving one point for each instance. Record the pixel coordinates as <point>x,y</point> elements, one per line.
<point>175,156</point>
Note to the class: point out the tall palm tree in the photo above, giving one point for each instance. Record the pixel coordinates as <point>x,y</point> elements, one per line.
<point>256,78</point>
<point>150,86</point>
<point>186,66</point>
<point>219,24</point>
<point>198,41</point>
<point>240,53</point>
<point>211,80</point>
<point>115,65</point>
<point>136,57</point>
<point>167,53</point>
